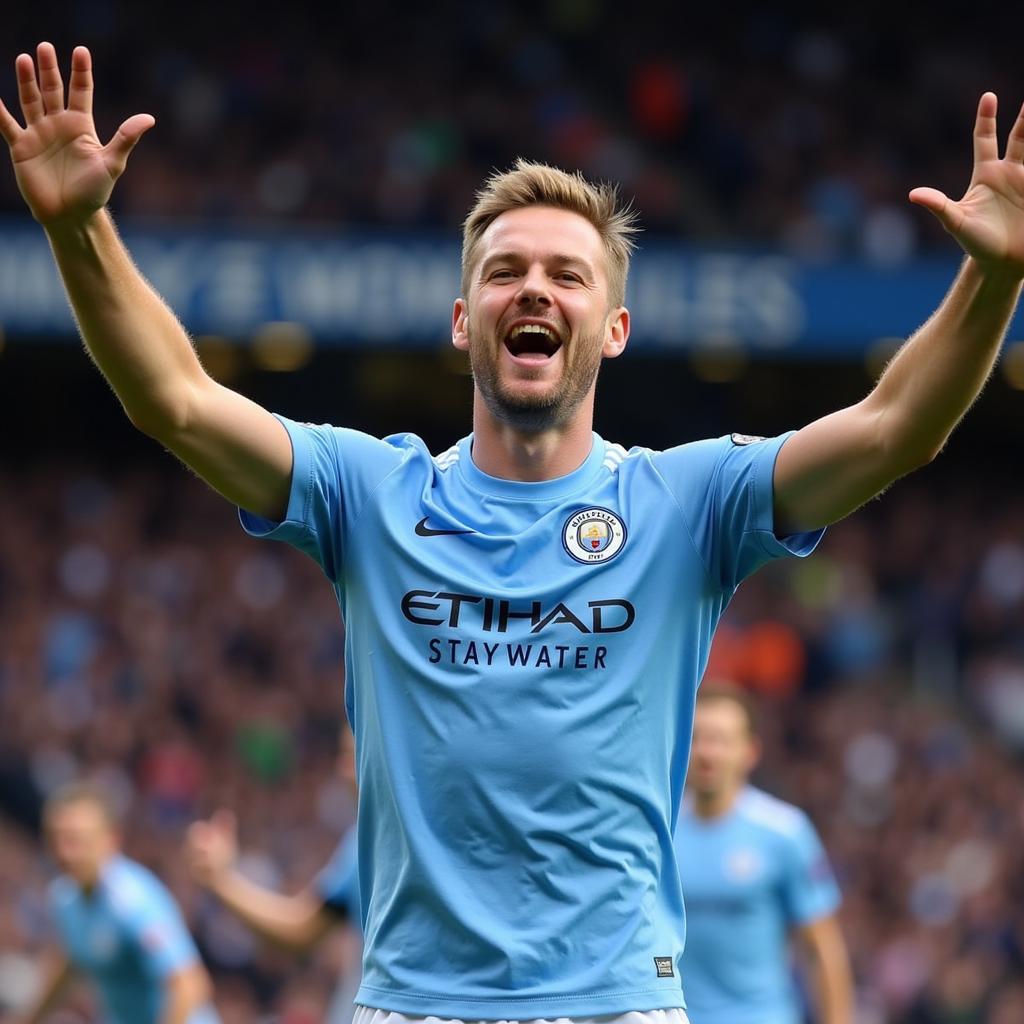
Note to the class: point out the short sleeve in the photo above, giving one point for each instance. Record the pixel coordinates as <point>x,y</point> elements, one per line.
<point>154,923</point>
<point>334,471</point>
<point>809,889</point>
<point>725,490</point>
<point>338,883</point>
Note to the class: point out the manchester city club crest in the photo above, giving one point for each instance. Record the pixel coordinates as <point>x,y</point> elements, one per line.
<point>594,535</point>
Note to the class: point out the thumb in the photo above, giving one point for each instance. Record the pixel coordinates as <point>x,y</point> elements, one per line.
<point>939,204</point>
<point>224,821</point>
<point>120,146</point>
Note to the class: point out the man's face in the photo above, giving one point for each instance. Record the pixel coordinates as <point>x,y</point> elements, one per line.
<point>82,839</point>
<point>536,322</point>
<point>724,751</point>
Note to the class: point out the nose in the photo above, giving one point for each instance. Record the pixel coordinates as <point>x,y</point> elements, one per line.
<point>535,288</point>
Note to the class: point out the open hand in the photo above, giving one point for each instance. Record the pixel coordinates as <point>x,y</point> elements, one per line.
<point>988,221</point>
<point>62,169</point>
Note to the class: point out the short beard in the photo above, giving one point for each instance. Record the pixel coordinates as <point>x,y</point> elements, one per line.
<point>534,414</point>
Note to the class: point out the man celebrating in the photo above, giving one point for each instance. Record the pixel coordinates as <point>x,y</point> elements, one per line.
<point>528,614</point>
<point>117,923</point>
<point>753,872</point>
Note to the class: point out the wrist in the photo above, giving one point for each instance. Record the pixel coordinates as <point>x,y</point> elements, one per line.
<point>997,273</point>
<point>73,230</point>
<point>220,880</point>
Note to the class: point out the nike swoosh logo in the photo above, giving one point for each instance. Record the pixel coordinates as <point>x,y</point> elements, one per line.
<point>422,530</point>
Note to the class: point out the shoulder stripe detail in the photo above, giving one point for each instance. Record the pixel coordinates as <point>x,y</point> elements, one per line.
<point>613,457</point>
<point>769,811</point>
<point>447,458</point>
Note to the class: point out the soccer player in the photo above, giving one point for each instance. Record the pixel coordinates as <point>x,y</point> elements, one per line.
<point>117,923</point>
<point>298,922</point>
<point>527,614</point>
<point>753,873</point>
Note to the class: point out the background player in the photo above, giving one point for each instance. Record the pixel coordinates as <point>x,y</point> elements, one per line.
<point>300,921</point>
<point>543,287</point>
<point>116,923</point>
<point>754,874</point>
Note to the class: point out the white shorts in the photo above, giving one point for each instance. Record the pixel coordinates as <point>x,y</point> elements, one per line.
<point>368,1015</point>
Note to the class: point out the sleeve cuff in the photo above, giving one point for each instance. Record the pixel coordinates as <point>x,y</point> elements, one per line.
<point>299,492</point>
<point>798,544</point>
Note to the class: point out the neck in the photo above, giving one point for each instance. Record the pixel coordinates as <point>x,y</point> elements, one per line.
<point>714,805</point>
<point>509,453</point>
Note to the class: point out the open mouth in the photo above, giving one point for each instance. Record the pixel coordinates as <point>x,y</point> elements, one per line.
<point>532,341</point>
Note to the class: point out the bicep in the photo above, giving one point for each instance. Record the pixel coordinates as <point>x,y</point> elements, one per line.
<point>239,448</point>
<point>833,466</point>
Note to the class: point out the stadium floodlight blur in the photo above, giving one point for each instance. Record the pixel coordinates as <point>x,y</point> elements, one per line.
<point>601,534</point>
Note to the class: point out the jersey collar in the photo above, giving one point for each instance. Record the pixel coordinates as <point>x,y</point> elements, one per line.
<point>530,490</point>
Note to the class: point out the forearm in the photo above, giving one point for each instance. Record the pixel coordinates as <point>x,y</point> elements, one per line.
<point>938,373</point>
<point>292,921</point>
<point>57,973</point>
<point>133,337</point>
<point>835,994</point>
<point>830,968</point>
<point>186,992</point>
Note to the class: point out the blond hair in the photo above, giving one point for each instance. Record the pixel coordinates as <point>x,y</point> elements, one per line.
<point>534,184</point>
<point>81,792</point>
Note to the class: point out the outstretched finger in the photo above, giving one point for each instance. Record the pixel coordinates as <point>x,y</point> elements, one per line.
<point>28,89</point>
<point>1015,143</point>
<point>9,127</point>
<point>80,83</point>
<point>986,144</point>
<point>125,138</point>
<point>949,215</point>
<point>50,82</point>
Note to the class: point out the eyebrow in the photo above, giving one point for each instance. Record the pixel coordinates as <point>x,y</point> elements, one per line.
<point>559,259</point>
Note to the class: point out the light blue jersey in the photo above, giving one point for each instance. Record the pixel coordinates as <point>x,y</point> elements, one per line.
<point>128,936</point>
<point>522,661</point>
<point>338,887</point>
<point>338,883</point>
<point>748,878</point>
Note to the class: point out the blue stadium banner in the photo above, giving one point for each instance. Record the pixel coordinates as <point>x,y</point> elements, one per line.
<point>385,290</point>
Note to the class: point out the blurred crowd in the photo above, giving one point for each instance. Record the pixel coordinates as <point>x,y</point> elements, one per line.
<point>801,131</point>
<point>145,641</point>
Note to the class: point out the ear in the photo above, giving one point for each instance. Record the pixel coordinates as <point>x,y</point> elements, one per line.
<point>460,325</point>
<point>754,754</point>
<point>617,333</point>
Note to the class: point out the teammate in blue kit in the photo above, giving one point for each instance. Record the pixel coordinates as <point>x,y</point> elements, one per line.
<point>297,922</point>
<point>754,875</point>
<point>117,924</point>
<point>517,803</point>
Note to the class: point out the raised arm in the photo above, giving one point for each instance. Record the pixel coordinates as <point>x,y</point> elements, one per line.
<point>296,922</point>
<point>837,463</point>
<point>66,177</point>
